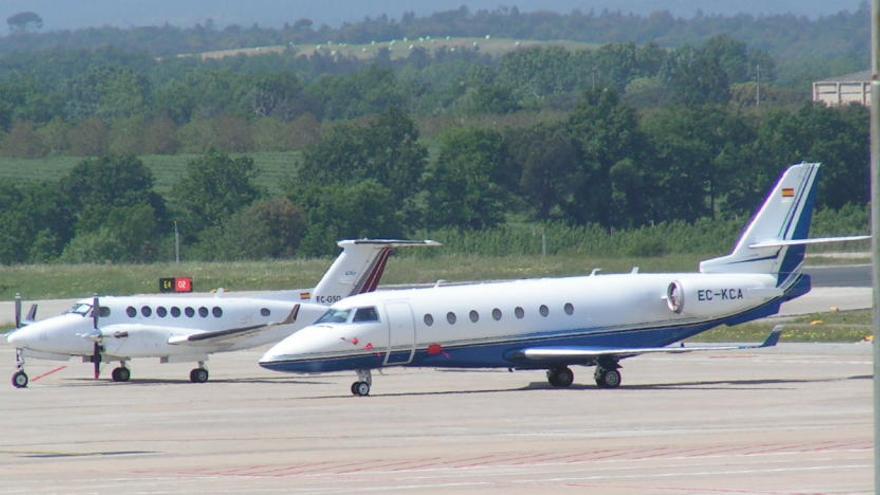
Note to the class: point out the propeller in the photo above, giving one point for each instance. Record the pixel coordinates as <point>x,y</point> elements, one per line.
<point>96,352</point>
<point>17,310</point>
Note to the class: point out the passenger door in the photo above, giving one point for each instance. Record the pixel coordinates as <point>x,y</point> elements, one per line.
<point>401,333</point>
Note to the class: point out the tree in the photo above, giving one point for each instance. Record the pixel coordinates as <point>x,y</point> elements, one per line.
<point>694,77</point>
<point>547,155</point>
<point>23,22</point>
<point>214,187</point>
<point>465,186</point>
<point>96,187</point>
<point>266,229</point>
<point>384,149</point>
<point>23,142</point>
<point>361,209</point>
<point>606,132</point>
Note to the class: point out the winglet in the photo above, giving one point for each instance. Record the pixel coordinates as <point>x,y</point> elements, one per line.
<point>774,336</point>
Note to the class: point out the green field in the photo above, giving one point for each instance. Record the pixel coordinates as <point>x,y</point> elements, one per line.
<point>399,48</point>
<point>273,167</point>
<point>845,326</point>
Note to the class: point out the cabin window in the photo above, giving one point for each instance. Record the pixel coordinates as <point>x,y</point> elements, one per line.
<point>175,311</point>
<point>335,316</point>
<point>429,320</point>
<point>569,308</point>
<point>519,312</point>
<point>146,311</point>
<point>131,312</point>
<point>265,312</point>
<point>203,312</point>
<point>189,312</point>
<point>161,311</point>
<point>496,314</point>
<point>474,316</point>
<point>365,314</point>
<point>217,312</point>
<point>450,317</point>
<point>544,310</point>
<point>104,312</point>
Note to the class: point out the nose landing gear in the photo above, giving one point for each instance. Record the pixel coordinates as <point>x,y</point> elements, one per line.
<point>361,387</point>
<point>19,378</point>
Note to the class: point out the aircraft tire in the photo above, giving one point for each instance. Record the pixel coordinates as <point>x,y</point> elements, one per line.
<point>198,375</point>
<point>607,378</point>
<point>560,377</point>
<point>121,374</point>
<point>19,379</point>
<point>360,389</point>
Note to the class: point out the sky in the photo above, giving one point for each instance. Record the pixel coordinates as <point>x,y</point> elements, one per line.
<point>74,14</point>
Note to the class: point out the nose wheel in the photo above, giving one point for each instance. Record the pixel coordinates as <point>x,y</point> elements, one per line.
<point>19,378</point>
<point>361,388</point>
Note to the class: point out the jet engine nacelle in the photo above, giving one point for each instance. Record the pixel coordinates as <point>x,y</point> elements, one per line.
<point>710,295</point>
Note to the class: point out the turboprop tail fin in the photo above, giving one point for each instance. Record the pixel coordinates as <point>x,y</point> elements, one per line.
<point>775,240</point>
<point>359,267</point>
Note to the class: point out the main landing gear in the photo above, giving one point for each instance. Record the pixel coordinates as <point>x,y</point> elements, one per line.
<point>121,374</point>
<point>361,387</point>
<point>560,377</point>
<point>19,378</point>
<point>606,376</point>
<point>200,374</point>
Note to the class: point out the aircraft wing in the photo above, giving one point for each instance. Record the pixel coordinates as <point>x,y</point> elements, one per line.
<point>591,354</point>
<point>230,335</point>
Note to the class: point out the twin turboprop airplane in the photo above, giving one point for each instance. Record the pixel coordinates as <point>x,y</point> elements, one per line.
<point>189,328</point>
<point>555,323</point>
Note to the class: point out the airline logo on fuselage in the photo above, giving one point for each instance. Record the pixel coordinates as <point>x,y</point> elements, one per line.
<point>719,294</point>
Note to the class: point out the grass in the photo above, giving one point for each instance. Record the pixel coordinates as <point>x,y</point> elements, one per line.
<point>63,281</point>
<point>273,168</point>
<point>845,326</point>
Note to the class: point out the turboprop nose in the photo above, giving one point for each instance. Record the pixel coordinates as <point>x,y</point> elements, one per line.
<point>19,338</point>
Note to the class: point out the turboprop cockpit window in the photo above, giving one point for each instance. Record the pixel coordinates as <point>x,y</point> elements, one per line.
<point>335,316</point>
<point>365,314</point>
<point>80,309</point>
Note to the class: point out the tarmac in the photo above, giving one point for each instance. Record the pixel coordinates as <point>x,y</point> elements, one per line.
<point>794,419</point>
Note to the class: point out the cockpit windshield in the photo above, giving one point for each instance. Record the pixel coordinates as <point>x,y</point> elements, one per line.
<point>363,315</point>
<point>81,309</point>
<point>335,316</point>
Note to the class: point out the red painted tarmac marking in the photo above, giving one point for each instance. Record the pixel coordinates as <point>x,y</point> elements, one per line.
<point>44,375</point>
<point>292,470</point>
<point>420,464</point>
<point>472,461</point>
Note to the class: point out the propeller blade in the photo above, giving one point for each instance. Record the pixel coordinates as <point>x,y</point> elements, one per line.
<point>96,360</point>
<point>17,310</point>
<point>32,314</point>
<point>95,311</point>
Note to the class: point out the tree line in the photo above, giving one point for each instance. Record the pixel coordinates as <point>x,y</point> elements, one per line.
<point>94,103</point>
<point>602,165</point>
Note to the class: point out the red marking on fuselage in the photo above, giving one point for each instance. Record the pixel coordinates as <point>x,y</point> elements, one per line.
<point>355,341</point>
<point>56,370</point>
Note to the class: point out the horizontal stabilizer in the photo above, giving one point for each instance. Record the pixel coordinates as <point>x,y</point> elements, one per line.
<point>801,242</point>
<point>591,354</point>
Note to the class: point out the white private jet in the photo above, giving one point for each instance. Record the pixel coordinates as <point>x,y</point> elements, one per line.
<point>189,328</point>
<point>551,324</point>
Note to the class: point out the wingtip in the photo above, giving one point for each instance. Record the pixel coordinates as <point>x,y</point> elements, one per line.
<point>774,336</point>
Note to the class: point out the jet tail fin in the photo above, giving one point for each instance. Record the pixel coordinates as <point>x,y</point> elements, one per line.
<point>775,240</point>
<point>359,267</point>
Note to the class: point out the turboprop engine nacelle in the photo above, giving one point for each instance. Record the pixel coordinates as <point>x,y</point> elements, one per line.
<point>711,295</point>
